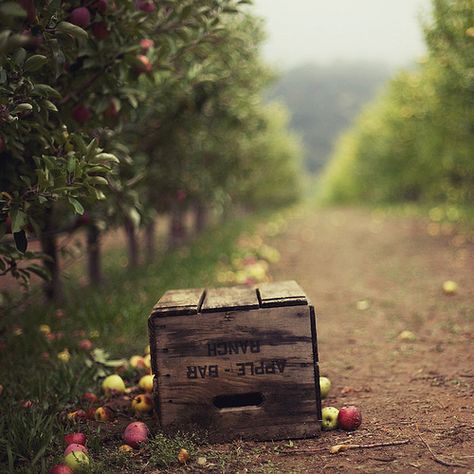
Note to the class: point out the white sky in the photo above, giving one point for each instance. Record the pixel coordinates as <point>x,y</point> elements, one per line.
<point>324,31</point>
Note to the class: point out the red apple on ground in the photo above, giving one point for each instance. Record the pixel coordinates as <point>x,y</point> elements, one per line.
<point>90,397</point>
<point>183,456</point>
<point>86,344</point>
<point>80,17</point>
<point>61,469</point>
<point>103,414</point>
<point>81,114</point>
<point>349,418</point>
<point>74,447</point>
<point>77,415</point>
<point>329,418</point>
<point>75,438</point>
<point>135,434</point>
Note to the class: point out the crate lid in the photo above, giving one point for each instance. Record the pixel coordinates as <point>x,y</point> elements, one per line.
<point>194,301</point>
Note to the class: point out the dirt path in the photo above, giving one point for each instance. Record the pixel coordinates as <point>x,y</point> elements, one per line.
<point>397,269</point>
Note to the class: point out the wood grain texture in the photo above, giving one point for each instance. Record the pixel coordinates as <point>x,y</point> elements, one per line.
<point>226,299</point>
<point>179,302</point>
<point>266,350</point>
<point>283,293</point>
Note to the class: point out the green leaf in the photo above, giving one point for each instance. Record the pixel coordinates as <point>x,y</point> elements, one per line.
<point>45,90</point>
<point>49,105</point>
<point>18,219</point>
<point>105,158</point>
<point>35,62</point>
<point>22,108</point>
<point>12,9</point>
<point>98,180</point>
<point>78,207</point>
<point>73,30</point>
<point>19,56</point>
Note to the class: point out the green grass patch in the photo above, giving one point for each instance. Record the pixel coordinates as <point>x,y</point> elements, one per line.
<point>39,389</point>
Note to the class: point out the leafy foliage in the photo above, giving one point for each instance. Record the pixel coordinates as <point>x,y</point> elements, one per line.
<point>415,142</point>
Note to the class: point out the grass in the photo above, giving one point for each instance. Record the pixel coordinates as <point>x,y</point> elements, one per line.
<point>39,390</point>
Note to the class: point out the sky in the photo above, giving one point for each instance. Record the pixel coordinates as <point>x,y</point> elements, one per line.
<point>325,31</point>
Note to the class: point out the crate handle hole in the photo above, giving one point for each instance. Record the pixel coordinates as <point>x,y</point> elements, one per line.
<point>237,401</point>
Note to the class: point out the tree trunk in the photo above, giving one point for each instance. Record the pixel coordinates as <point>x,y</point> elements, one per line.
<point>94,255</point>
<point>177,229</point>
<point>132,242</point>
<point>200,217</point>
<point>150,241</point>
<point>53,288</point>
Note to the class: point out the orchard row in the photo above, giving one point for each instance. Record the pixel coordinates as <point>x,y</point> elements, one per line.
<point>112,112</point>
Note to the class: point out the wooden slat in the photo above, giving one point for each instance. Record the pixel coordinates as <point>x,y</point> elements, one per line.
<point>179,302</point>
<point>233,298</point>
<point>282,293</point>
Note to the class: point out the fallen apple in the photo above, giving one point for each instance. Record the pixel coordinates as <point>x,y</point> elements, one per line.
<point>76,415</point>
<point>77,461</point>
<point>147,360</point>
<point>86,344</point>
<point>450,287</point>
<point>137,362</point>
<point>329,418</point>
<point>349,418</point>
<point>325,386</point>
<point>183,456</point>
<point>75,438</point>
<point>103,414</point>
<point>125,448</point>
<point>142,403</point>
<point>146,383</point>
<point>113,384</point>
<point>135,434</point>
<point>61,469</point>
<point>74,447</point>
<point>90,397</point>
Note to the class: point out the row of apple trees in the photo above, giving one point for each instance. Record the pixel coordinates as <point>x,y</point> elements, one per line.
<point>112,112</point>
<point>415,141</point>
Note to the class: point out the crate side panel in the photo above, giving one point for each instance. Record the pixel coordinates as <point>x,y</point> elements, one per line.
<point>268,351</point>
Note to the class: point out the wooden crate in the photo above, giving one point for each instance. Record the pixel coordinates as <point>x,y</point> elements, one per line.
<point>239,362</point>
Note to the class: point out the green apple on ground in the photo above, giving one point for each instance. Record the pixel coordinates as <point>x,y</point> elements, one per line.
<point>77,461</point>
<point>113,384</point>
<point>142,403</point>
<point>329,418</point>
<point>325,386</point>
<point>450,287</point>
<point>146,383</point>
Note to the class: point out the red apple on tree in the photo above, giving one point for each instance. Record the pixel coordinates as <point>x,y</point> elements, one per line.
<point>143,64</point>
<point>100,30</point>
<point>80,17</point>
<point>100,6</point>
<point>81,114</point>
<point>349,418</point>
<point>145,6</point>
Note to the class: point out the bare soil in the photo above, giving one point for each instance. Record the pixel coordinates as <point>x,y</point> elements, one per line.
<point>420,391</point>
